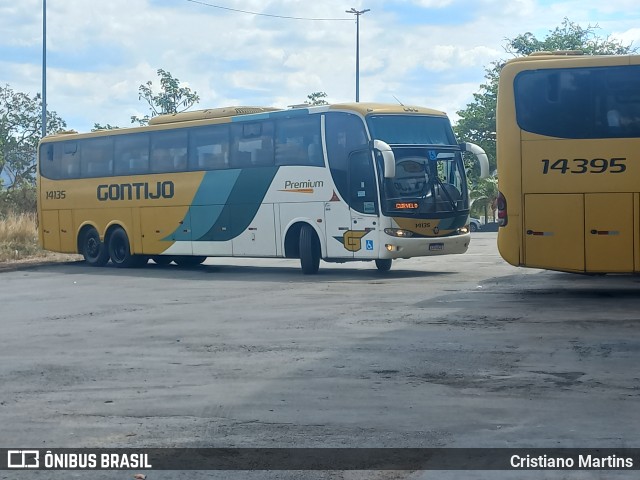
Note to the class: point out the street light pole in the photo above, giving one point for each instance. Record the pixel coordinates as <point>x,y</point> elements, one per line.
<point>44,68</point>
<point>357,13</point>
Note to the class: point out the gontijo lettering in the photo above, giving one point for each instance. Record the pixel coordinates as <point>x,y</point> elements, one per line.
<point>136,191</point>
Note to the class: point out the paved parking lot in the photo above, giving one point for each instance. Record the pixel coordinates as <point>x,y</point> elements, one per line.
<point>458,351</point>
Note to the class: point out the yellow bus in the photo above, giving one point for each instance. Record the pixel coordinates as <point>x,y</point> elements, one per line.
<point>340,183</point>
<point>568,149</point>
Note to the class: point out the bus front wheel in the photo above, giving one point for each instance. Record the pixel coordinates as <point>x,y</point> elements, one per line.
<point>309,250</point>
<point>95,252</point>
<point>383,264</point>
<point>120,251</point>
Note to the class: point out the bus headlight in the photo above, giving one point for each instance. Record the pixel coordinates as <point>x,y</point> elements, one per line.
<point>398,232</point>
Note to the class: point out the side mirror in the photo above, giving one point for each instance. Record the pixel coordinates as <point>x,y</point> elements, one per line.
<point>481,156</point>
<point>388,158</point>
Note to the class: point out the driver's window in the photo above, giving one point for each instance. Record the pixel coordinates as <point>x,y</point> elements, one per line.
<point>363,193</point>
<point>345,135</point>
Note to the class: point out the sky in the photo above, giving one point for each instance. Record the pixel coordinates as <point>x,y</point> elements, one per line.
<point>431,53</point>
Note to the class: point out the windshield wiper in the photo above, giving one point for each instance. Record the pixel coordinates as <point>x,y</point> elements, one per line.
<point>452,202</point>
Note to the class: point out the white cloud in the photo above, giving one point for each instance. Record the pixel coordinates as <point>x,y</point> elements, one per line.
<point>100,52</point>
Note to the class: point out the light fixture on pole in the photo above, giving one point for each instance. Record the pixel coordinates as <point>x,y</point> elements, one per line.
<point>357,13</point>
<point>44,68</point>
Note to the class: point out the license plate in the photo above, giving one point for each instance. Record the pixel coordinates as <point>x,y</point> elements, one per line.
<point>436,246</point>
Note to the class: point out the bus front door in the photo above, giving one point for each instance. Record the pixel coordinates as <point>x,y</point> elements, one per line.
<point>363,193</point>
<point>337,221</point>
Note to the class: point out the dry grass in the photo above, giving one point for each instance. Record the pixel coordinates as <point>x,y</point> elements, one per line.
<point>18,237</point>
<point>19,240</point>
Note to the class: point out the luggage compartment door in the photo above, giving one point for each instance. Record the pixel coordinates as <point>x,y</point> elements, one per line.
<point>554,231</point>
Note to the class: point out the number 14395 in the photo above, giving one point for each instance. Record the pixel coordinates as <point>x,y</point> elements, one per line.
<point>582,165</point>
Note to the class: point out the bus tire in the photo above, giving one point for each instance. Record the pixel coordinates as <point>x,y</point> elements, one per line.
<point>384,264</point>
<point>120,251</point>
<point>188,260</point>
<point>162,259</point>
<point>95,252</point>
<point>309,250</point>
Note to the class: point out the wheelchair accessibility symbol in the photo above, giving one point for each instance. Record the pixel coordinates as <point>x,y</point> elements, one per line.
<point>369,245</point>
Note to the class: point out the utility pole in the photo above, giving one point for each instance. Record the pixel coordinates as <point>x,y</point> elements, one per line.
<point>44,68</point>
<point>357,13</point>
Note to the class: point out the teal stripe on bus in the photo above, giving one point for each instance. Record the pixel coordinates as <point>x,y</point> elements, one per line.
<point>242,205</point>
<point>225,204</point>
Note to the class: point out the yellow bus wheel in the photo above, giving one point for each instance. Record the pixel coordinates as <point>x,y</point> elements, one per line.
<point>120,252</point>
<point>95,252</point>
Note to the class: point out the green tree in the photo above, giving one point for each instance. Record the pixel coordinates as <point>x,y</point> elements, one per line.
<point>171,99</point>
<point>483,197</point>
<point>568,36</point>
<point>20,129</point>
<point>316,98</point>
<point>478,119</point>
<point>108,126</point>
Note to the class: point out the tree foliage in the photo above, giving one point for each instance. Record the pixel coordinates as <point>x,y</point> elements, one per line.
<point>99,126</point>
<point>316,98</point>
<point>171,99</point>
<point>20,130</point>
<point>568,36</point>
<point>477,121</point>
<point>483,196</point>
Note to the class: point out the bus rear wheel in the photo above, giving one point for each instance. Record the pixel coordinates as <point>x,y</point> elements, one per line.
<point>309,250</point>
<point>95,252</point>
<point>120,251</point>
<point>384,264</point>
<point>188,260</point>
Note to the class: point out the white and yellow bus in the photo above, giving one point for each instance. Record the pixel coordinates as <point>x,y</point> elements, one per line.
<point>568,148</point>
<point>339,183</point>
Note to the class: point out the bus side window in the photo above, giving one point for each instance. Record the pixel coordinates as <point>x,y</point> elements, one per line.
<point>298,141</point>
<point>70,160</point>
<point>252,144</point>
<point>96,157</point>
<point>131,154</point>
<point>50,160</point>
<point>169,151</point>
<point>314,151</point>
<point>209,148</point>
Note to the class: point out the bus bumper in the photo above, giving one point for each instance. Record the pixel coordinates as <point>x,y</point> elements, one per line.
<point>394,247</point>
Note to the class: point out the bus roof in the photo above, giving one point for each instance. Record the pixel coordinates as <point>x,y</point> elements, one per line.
<point>576,57</point>
<point>365,108</point>
<point>209,113</point>
<point>239,113</point>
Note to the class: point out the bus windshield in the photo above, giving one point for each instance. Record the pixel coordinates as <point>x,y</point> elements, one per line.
<point>411,129</point>
<point>429,168</point>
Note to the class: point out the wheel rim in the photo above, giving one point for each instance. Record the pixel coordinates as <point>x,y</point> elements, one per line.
<point>119,251</point>
<point>93,246</point>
